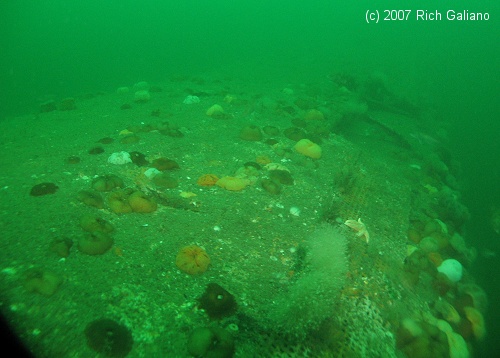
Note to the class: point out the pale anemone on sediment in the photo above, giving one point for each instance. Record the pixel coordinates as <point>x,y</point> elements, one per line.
<point>120,158</point>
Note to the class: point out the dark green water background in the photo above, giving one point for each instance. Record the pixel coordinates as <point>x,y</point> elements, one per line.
<point>65,48</point>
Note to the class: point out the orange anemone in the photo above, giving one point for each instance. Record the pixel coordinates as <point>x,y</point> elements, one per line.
<point>207,180</point>
<point>233,183</point>
<point>192,260</point>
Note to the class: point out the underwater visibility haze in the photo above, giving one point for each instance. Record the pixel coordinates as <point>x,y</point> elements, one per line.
<point>249,178</point>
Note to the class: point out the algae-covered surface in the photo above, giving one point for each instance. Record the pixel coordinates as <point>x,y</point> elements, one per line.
<point>375,166</point>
